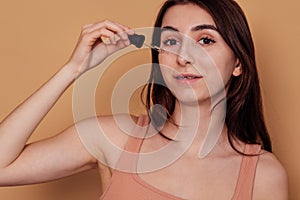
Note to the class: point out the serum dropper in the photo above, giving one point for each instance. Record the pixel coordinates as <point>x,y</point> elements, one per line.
<point>138,40</point>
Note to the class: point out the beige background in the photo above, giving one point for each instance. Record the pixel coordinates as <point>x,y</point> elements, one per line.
<point>37,38</point>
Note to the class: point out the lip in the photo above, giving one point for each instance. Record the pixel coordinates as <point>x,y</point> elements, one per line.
<point>187,78</point>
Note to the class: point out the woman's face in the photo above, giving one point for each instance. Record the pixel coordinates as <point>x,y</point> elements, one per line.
<point>195,56</point>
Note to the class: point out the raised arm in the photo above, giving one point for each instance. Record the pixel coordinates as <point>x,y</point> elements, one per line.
<point>63,154</point>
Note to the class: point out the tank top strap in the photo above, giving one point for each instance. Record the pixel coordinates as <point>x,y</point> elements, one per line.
<point>128,159</point>
<point>244,187</point>
<point>137,136</point>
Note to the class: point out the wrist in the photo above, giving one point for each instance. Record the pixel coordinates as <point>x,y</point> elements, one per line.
<point>70,71</point>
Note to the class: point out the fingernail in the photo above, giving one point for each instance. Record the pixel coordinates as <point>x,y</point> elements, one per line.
<point>130,31</point>
<point>127,42</point>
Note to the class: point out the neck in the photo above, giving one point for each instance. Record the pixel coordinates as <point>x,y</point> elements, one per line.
<point>191,114</point>
<point>201,123</point>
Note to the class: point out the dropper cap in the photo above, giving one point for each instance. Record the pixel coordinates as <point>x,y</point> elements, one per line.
<point>137,40</point>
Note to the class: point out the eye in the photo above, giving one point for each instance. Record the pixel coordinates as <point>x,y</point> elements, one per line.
<point>170,42</point>
<point>206,41</point>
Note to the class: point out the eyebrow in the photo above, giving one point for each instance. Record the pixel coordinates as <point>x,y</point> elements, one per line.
<point>196,28</point>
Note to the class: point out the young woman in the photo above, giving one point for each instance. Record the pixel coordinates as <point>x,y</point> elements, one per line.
<point>239,166</point>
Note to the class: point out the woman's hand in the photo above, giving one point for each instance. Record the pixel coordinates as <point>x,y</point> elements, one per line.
<point>17,158</point>
<point>96,42</point>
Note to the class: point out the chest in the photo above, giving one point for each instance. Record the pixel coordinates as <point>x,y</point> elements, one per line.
<point>189,178</point>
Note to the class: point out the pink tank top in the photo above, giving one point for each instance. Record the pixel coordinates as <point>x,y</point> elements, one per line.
<point>125,186</point>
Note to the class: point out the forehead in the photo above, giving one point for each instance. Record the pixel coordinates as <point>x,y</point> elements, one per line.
<point>186,16</point>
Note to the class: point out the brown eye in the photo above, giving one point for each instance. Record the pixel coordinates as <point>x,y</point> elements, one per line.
<point>206,41</point>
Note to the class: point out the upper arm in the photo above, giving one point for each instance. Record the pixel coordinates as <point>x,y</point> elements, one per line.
<point>78,148</point>
<point>271,180</point>
<point>107,136</point>
<point>48,159</point>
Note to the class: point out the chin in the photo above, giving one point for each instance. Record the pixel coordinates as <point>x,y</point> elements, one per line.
<point>192,99</point>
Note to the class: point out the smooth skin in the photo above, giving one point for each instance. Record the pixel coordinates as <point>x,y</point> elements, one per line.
<point>213,177</point>
<point>37,162</point>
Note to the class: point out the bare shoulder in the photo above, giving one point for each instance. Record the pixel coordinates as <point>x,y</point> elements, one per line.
<point>271,180</point>
<point>117,128</point>
<point>105,137</point>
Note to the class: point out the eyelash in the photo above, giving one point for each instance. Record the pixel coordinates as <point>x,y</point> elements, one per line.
<point>204,41</point>
<point>207,39</point>
<point>165,42</point>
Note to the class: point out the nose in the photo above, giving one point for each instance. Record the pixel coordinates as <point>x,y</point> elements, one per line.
<point>183,55</point>
<point>183,60</point>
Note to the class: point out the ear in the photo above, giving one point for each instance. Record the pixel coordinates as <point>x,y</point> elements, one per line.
<point>238,69</point>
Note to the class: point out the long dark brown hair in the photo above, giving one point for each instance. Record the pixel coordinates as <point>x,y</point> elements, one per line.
<point>244,115</point>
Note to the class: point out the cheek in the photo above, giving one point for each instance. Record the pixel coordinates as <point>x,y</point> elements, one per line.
<point>225,64</point>
<point>166,67</point>
<point>167,75</point>
<point>163,60</point>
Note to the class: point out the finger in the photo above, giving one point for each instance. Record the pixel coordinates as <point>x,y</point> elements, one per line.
<point>91,37</point>
<point>107,36</point>
<point>118,29</point>
<point>127,29</point>
<point>87,26</point>
<point>119,45</point>
<point>107,23</point>
<point>103,34</point>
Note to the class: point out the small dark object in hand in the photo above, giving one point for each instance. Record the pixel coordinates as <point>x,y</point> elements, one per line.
<point>137,40</point>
